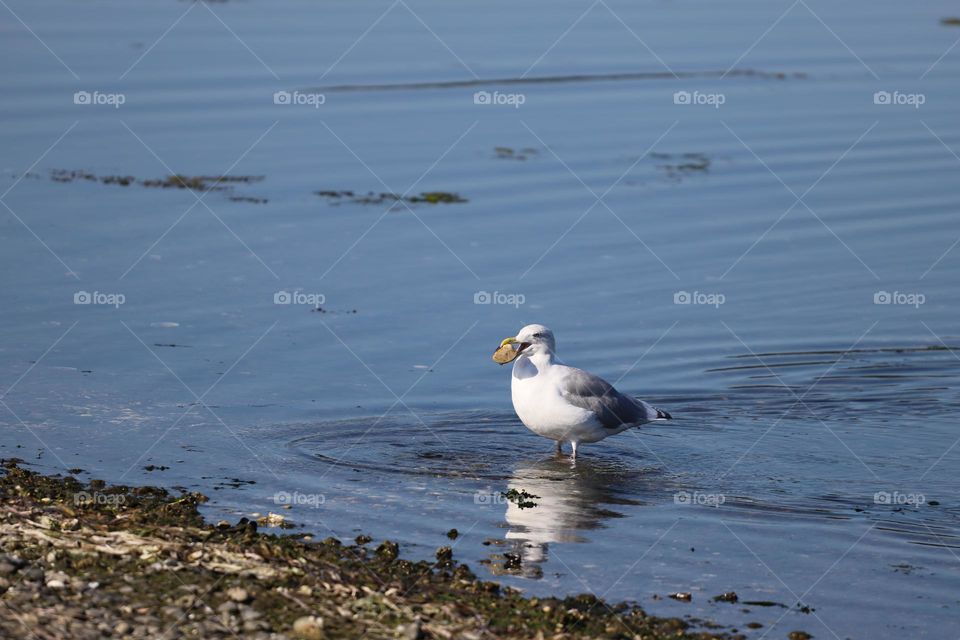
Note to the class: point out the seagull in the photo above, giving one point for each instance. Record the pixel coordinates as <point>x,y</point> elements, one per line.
<point>564,403</point>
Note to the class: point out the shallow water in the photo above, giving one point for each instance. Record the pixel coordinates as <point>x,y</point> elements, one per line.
<point>808,419</point>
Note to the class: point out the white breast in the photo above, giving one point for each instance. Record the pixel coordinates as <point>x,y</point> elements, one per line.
<point>541,407</point>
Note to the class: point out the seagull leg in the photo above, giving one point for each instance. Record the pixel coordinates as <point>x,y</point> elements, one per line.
<point>573,445</point>
<point>559,449</point>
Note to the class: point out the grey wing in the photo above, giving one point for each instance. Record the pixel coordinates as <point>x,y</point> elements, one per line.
<point>612,408</point>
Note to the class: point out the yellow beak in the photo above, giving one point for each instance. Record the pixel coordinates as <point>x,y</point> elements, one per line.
<point>507,341</point>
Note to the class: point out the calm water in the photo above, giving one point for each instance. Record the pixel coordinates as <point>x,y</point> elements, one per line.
<point>812,457</point>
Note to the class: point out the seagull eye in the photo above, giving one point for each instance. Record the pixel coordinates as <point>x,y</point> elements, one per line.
<point>538,335</point>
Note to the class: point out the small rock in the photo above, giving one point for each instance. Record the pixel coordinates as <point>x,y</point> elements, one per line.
<point>799,635</point>
<point>308,628</point>
<point>729,596</point>
<point>512,561</point>
<point>388,550</point>
<point>444,555</point>
<point>453,534</point>
<point>33,573</point>
<point>121,629</point>
<point>55,583</point>
<point>272,520</point>
<point>238,594</point>
<point>682,596</point>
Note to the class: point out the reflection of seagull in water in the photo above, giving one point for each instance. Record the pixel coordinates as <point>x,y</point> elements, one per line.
<point>567,503</point>
<point>564,403</point>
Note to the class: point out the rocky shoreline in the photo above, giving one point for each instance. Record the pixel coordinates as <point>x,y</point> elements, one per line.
<point>93,561</point>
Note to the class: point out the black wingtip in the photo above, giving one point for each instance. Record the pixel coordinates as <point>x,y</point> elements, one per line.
<point>663,415</point>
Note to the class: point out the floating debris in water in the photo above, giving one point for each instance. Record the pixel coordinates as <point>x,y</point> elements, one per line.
<point>683,164</point>
<point>508,153</point>
<point>765,603</point>
<point>372,197</point>
<point>175,181</point>
<point>319,309</point>
<point>575,78</point>
<point>729,596</point>
<point>950,22</point>
<point>200,183</point>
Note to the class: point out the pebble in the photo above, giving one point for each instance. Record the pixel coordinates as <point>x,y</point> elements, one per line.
<point>238,594</point>
<point>308,628</point>
<point>33,573</point>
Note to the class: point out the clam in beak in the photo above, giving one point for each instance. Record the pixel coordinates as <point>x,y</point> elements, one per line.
<point>508,351</point>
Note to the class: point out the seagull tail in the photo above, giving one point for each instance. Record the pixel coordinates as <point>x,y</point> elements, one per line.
<point>651,413</point>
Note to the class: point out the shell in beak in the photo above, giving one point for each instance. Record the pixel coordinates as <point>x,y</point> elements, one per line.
<point>509,350</point>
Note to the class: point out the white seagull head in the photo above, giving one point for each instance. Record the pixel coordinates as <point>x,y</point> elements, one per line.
<point>536,339</point>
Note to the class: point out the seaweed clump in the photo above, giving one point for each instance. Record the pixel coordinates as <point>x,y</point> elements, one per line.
<point>372,197</point>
